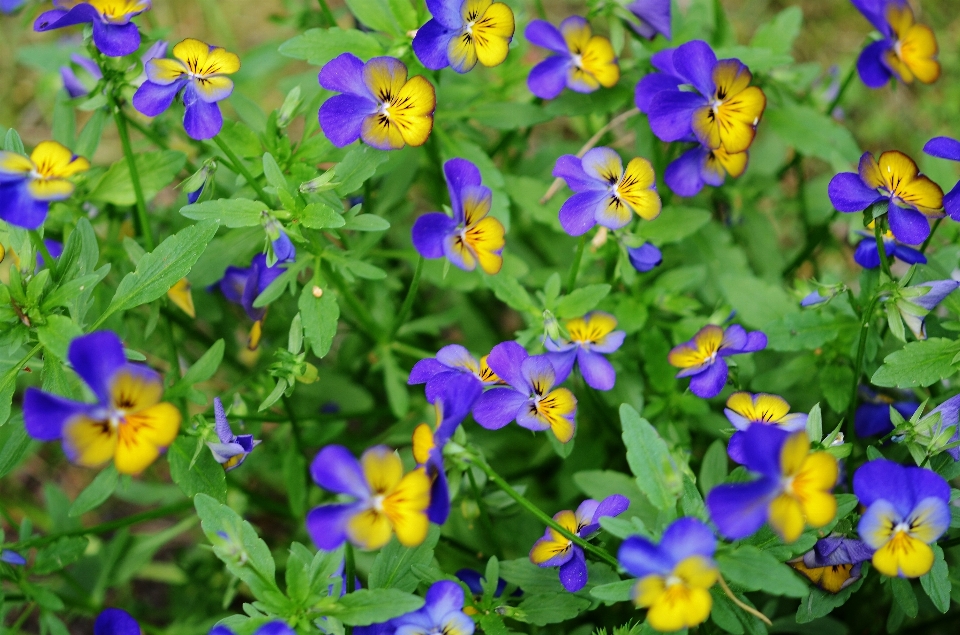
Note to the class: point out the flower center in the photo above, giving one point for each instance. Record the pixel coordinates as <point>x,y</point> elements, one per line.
<point>672,580</point>
<point>578,60</point>
<point>376,503</point>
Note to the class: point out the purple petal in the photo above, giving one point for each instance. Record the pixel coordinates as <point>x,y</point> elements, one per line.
<point>424,370</point>
<point>562,362</point>
<point>548,78</point>
<point>45,414</point>
<point>688,537</point>
<point>684,175</point>
<point>609,343</point>
<point>611,506</point>
<point>59,18</point>
<point>275,628</point>
<point>71,83</point>
<point>446,13</point>
<point>439,508</point>
<point>671,113</point>
<point>652,84</point>
<point>337,470</point>
<point>327,524</point>
<point>907,254</point>
<point>573,573</point>
<point>152,99</point>
<point>654,15</point>
<point>497,407</point>
<point>881,479</point>
<point>96,357</point>
<point>694,62</point>
<point>867,255</point>
<point>460,174</point>
<point>116,40</point>
<point>344,74</point>
<point>908,225</point>
<point>505,360</point>
<point>943,148</point>
<point>596,370</point>
<point>646,257</point>
<point>849,193</point>
<point>873,72</point>
<point>761,449</point>
<point>233,283</point>
<point>938,290</point>
<point>115,622</point>
<point>537,371</point>
<point>430,44</point>
<point>221,425</point>
<point>201,119</point>
<point>875,12</point>
<point>18,208</point>
<point>570,168</point>
<point>456,400</point>
<point>740,509</point>
<point>711,381</point>
<point>641,558</point>
<point>578,213</point>
<point>756,341</point>
<point>544,34</point>
<point>736,448</point>
<point>429,232</point>
<point>442,598</point>
<point>872,419</point>
<point>951,203</point>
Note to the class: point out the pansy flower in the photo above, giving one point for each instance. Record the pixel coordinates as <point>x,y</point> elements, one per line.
<point>12,558</point>
<point>907,510</point>
<point>472,237</point>
<point>442,612</point>
<point>29,185</point>
<point>744,410</point>
<point>378,103</point>
<point>452,362</point>
<point>914,303</point>
<point>556,550</point>
<point>128,423</point>
<point>231,450</point>
<point>873,417</point>
<point>280,244</point>
<point>868,256</point>
<point>644,258</point>
<point>911,197</point>
<point>384,500</point>
<point>81,85</point>
<point>115,622</point>
<point>675,576</point>
<point>199,76</point>
<point>591,337</point>
<point>452,405</point>
<point>722,110</point>
<point>464,32</point>
<point>701,166</point>
<point>242,285</point>
<point>947,148</point>
<point>793,489</point>
<point>529,398</point>
<point>475,581</point>
<point>702,357</point>
<point>581,61</point>
<point>907,51</point>
<point>114,33</point>
<point>653,17</point>
<point>834,563</point>
<point>605,193</point>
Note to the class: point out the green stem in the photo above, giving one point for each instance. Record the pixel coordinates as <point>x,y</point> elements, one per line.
<point>23,618</point>
<point>843,89</point>
<point>882,250</point>
<point>540,515</point>
<point>411,351</point>
<point>106,527</point>
<point>294,424</point>
<point>926,243</point>
<point>241,169</point>
<point>364,318</point>
<point>575,265</point>
<point>484,514</point>
<point>41,246</point>
<point>142,218</point>
<point>865,320</point>
<point>407,301</point>
<point>349,568</point>
<point>155,139</point>
<point>327,13</point>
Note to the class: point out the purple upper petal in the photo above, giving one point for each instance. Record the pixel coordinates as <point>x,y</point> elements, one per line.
<point>671,112</point>
<point>115,622</point>
<point>548,78</point>
<point>688,537</point>
<point>570,168</point>
<point>875,12</point>
<point>497,407</point>
<point>96,357</point>
<point>152,99</point>
<point>761,449</point>
<point>903,487</point>
<point>694,62</point>
<point>943,148</point>
<point>337,470</point>
<point>60,18</point>
<point>873,72</point>
<point>344,74</point>
<point>740,509</point>
<point>505,360</point>
<point>849,193</point>
<point>442,598</point>
<point>431,43</point>
<point>429,232</point>
<point>446,12</point>
<point>542,33</point>
<point>460,174</point>
<point>652,84</point>
<point>640,558</point>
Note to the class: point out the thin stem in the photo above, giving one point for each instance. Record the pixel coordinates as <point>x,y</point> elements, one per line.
<point>239,167</point>
<point>294,424</point>
<point>142,218</point>
<point>407,301</point>
<point>41,246</point>
<point>536,511</point>
<point>15,628</point>
<point>843,89</point>
<point>743,605</point>
<point>106,527</point>
<point>327,13</point>
<point>575,265</point>
<point>619,119</point>
<point>882,250</point>
<point>865,320</point>
<point>484,514</point>
<point>349,568</point>
<point>411,351</point>
<point>926,243</point>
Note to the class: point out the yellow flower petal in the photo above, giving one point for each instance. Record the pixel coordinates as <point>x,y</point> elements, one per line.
<point>423,442</point>
<point>369,529</point>
<point>485,238</point>
<point>89,442</point>
<point>600,60</point>
<point>382,468</point>
<point>50,189</point>
<point>793,453</point>
<point>413,110</point>
<point>143,435</point>
<point>181,296</point>
<point>54,160</point>
<point>786,517</point>
<point>13,163</point>
<point>406,507</point>
<point>555,408</point>
<point>131,391</point>
<point>492,34</point>
<point>903,555</point>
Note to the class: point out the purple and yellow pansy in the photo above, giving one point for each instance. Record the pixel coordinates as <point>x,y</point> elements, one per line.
<point>580,60</point>
<point>114,33</point>
<point>589,338</point>
<point>701,358</point>
<point>464,32</point>
<point>744,410</point>
<point>451,363</point>
<point>128,423</point>
<point>834,563</point>
<point>230,450</point>
<point>907,51</point>
<point>29,185</point>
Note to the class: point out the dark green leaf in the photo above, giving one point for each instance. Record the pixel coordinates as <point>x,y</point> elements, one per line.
<point>156,171</point>
<point>320,316</point>
<point>937,583</point>
<point>229,212</point>
<point>201,476</point>
<point>98,491</point>
<point>753,570</point>
<point>918,364</point>
<point>370,606</point>
<point>649,459</point>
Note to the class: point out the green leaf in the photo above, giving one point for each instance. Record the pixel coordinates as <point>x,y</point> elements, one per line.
<point>904,596</point>
<point>229,212</point>
<point>162,268</point>
<point>581,300</point>
<point>936,583</point>
<point>98,491</point>
<point>550,609</point>
<point>202,370</point>
<point>757,302</point>
<point>321,216</point>
<point>820,603</point>
<point>195,471</point>
<point>14,447</point>
<point>319,317</point>
<point>509,291</point>
<point>753,570</point>
<point>359,165</point>
<point>90,136</point>
<point>59,555</point>
<point>273,173</point>
<point>57,333</point>
<point>614,592</point>
<point>276,288</point>
<point>713,469</point>
<point>918,364</point>
<point>813,134</point>
<point>835,385</point>
<point>367,223</point>
<point>674,224</point>
<point>778,34</point>
<point>393,566</point>
<point>806,330</point>
<point>156,170</point>
<point>370,606</point>
<point>649,459</point>
<point>390,16</point>
<point>395,383</point>
<point>319,46</point>
<point>294,478</point>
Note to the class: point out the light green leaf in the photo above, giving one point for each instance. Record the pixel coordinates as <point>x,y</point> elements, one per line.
<point>229,212</point>
<point>57,333</point>
<point>321,216</point>
<point>509,291</point>
<point>319,46</point>
<point>156,170</point>
<point>813,134</point>
<point>550,609</point>
<point>614,592</point>
<point>649,459</point>
<point>779,33</point>
<point>753,570</point>
<point>370,606</point>
<point>393,566</point>
<point>367,223</point>
<point>359,165</point>
<point>918,364</point>
<point>98,491</point>
<point>674,224</point>
<point>202,370</point>
<point>581,300</point>
<point>195,476</point>
<point>713,469</point>
<point>319,317</point>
